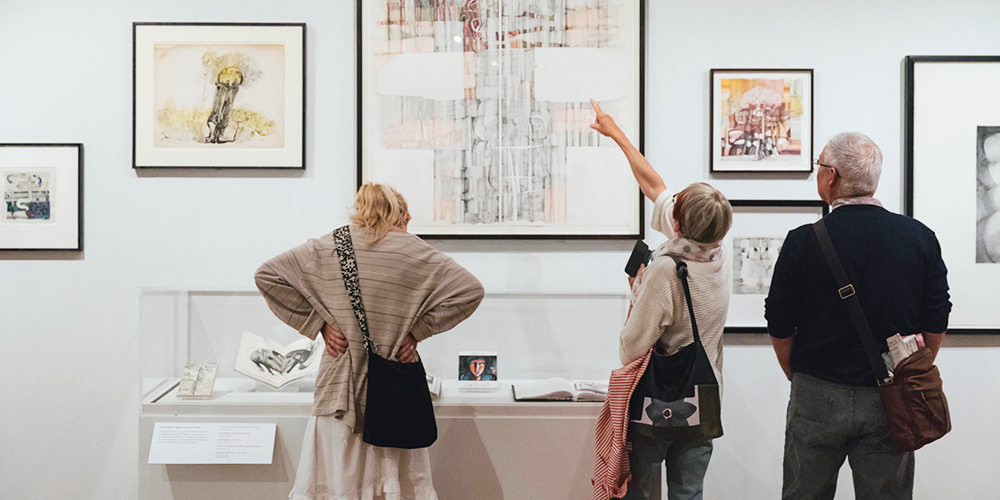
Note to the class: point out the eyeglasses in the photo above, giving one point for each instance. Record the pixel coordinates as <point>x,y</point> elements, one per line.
<point>818,164</point>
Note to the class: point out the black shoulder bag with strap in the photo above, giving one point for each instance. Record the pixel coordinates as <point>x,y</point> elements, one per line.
<point>677,397</point>
<point>399,412</point>
<point>913,401</point>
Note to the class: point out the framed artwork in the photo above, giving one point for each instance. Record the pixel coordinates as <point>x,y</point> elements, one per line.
<point>479,114</point>
<point>43,196</point>
<point>759,229</point>
<point>761,120</point>
<point>951,172</point>
<point>218,95</point>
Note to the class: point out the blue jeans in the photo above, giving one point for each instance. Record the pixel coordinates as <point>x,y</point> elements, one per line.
<point>687,462</point>
<point>829,422</point>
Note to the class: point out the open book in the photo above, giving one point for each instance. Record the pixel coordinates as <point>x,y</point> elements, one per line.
<point>559,389</point>
<point>276,365</point>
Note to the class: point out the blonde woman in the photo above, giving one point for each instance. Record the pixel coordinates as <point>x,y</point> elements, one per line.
<point>695,221</point>
<point>411,291</point>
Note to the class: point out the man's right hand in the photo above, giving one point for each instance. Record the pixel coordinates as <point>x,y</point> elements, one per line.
<point>334,340</point>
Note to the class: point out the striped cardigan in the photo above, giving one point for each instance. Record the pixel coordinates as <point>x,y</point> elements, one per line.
<point>611,466</point>
<point>407,286</point>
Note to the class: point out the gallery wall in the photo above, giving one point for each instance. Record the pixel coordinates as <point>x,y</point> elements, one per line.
<point>69,321</point>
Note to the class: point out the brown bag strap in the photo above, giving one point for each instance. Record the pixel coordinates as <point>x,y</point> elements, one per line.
<point>847,293</point>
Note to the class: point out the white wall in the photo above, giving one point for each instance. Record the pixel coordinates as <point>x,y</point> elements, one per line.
<point>69,429</point>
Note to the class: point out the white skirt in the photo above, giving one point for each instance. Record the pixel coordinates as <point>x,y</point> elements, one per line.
<point>337,465</point>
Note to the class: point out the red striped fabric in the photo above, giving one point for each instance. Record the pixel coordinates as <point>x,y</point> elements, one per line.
<point>611,468</point>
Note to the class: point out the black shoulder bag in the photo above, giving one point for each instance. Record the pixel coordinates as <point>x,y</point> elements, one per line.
<point>399,412</point>
<point>913,401</point>
<point>677,397</point>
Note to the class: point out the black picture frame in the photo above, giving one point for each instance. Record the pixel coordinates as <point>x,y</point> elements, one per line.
<point>641,143</point>
<point>712,122</point>
<point>78,243</point>
<point>304,110</point>
<point>963,267</point>
<point>821,209</point>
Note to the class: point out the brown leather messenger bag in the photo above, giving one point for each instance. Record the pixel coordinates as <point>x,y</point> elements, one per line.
<point>913,401</point>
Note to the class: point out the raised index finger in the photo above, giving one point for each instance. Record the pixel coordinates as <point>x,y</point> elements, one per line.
<point>593,104</point>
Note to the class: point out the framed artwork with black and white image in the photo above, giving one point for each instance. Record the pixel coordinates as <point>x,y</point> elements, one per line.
<point>218,95</point>
<point>42,196</point>
<point>758,232</point>
<point>761,120</point>
<point>951,172</point>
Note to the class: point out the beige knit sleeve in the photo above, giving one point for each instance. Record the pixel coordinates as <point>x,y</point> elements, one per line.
<point>651,313</point>
<point>280,282</point>
<point>456,295</point>
<point>662,219</point>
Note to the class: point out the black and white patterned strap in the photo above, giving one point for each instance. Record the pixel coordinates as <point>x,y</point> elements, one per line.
<point>349,269</point>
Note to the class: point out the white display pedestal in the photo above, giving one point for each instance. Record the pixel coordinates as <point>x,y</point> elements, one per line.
<point>489,447</point>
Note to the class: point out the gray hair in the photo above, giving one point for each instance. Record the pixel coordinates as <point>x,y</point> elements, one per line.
<point>858,160</point>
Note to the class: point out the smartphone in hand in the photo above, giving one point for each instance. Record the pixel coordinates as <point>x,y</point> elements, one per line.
<point>640,255</point>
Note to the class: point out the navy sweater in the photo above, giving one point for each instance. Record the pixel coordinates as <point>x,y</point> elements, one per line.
<point>894,263</point>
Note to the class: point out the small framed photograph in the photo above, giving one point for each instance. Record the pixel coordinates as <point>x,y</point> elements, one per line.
<point>759,229</point>
<point>951,171</point>
<point>43,196</point>
<point>477,370</point>
<point>218,95</point>
<point>761,120</point>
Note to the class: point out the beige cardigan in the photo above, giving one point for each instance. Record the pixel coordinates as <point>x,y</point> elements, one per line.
<point>407,286</point>
<point>659,311</point>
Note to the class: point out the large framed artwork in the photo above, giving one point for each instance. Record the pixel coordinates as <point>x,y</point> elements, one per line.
<point>478,112</point>
<point>759,229</point>
<point>218,95</point>
<point>761,120</point>
<point>42,196</point>
<point>952,176</point>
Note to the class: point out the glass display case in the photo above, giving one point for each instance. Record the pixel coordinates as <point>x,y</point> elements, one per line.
<point>512,445</point>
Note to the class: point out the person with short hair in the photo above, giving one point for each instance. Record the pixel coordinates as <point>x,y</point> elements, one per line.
<point>894,263</point>
<point>695,221</point>
<point>411,291</point>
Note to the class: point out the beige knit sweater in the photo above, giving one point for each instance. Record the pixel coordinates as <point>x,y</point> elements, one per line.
<point>659,312</point>
<point>406,286</point>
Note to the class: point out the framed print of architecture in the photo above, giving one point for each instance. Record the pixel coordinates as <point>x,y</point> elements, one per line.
<point>218,95</point>
<point>951,171</point>
<point>759,229</point>
<point>761,120</point>
<point>42,196</point>
<point>478,113</point>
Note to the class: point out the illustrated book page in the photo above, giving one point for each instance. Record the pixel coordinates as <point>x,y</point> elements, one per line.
<point>560,389</point>
<point>276,365</point>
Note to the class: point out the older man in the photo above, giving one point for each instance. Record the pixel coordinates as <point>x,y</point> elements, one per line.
<point>894,263</point>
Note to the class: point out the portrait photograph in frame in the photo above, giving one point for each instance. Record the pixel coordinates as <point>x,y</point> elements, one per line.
<point>42,188</point>
<point>759,229</point>
<point>761,120</point>
<point>951,172</point>
<point>218,95</point>
<point>481,118</point>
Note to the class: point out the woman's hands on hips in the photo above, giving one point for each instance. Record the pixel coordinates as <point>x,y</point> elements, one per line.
<point>334,340</point>
<point>407,352</point>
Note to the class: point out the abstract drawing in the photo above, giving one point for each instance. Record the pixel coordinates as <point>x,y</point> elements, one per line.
<point>761,121</point>
<point>42,191</point>
<point>221,94</point>
<point>753,263</point>
<point>988,195</point>
<point>486,103</point>
<point>218,95</point>
<point>758,234</point>
<point>26,195</point>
